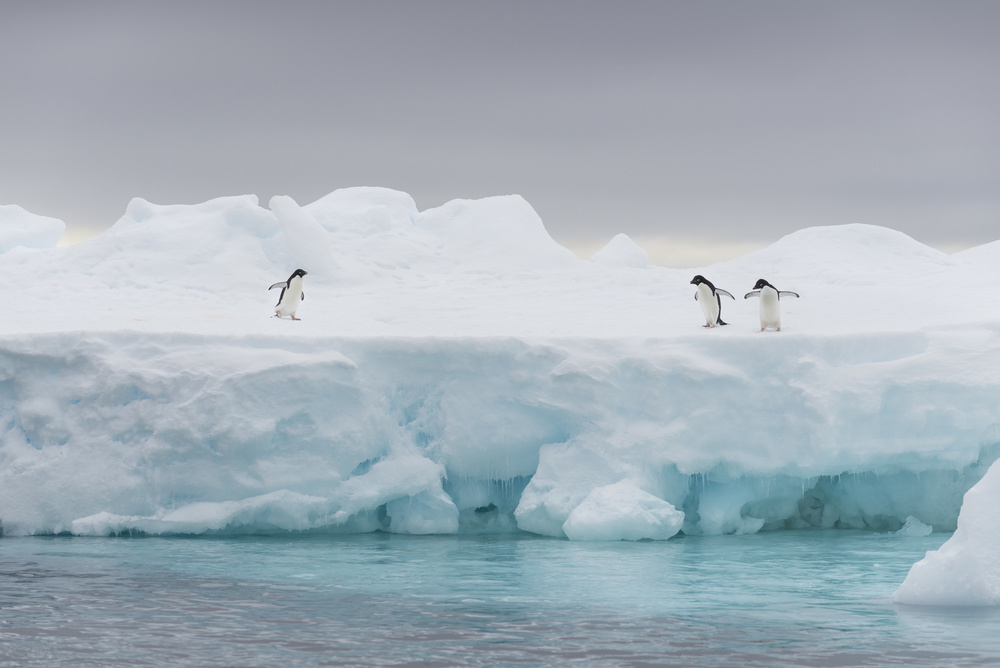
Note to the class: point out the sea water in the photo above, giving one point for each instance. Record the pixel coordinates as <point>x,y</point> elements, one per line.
<point>803,598</point>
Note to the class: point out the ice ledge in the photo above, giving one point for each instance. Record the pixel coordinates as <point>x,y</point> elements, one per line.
<point>590,438</point>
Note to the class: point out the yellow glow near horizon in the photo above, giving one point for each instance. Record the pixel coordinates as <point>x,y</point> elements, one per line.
<point>691,253</point>
<point>663,251</point>
<point>678,253</point>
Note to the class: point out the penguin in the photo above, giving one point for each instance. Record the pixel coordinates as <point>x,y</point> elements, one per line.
<point>770,313</point>
<point>709,297</point>
<point>291,294</point>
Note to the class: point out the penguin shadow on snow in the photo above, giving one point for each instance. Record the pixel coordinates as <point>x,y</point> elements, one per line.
<point>291,295</point>
<point>770,307</point>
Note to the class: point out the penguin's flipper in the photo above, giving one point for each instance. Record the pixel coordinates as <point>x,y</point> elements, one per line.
<point>696,296</point>
<point>303,296</point>
<point>752,293</point>
<point>723,292</point>
<point>787,293</point>
<point>282,285</point>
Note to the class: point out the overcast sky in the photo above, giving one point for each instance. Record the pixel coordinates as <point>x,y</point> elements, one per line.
<point>680,124</point>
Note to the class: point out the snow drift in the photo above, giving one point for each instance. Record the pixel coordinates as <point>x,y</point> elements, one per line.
<point>458,370</point>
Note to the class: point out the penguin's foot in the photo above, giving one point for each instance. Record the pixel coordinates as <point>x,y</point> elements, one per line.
<point>294,318</point>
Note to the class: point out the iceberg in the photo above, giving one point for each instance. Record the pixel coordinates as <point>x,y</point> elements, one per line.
<point>457,370</point>
<point>966,569</point>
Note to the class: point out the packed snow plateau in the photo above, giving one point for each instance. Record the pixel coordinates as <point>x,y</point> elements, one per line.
<point>457,370</point>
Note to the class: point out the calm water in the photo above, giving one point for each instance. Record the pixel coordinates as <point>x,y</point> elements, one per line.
<point>787,598</point>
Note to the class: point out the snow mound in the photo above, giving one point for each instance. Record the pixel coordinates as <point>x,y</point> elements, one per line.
<point>364,211</point>
<point>21,228</point>
<point>846,255</point>
<point>621,251</point>
<point>984,257</point>
<point>494,234</point>
<point>206,247</point>
<point>966,569</point>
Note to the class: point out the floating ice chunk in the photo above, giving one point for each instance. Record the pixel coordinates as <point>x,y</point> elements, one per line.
<point>566,474</point>
<point>410,488</point>
<point>621,251</point>
<point>138,370</point>
<point>429,512</point>
<point>103,524</point>
<point>276,511</point>
<point>622,511</point>
<point>966,569</point>
<point>914,527</point>
<point>22,228</point>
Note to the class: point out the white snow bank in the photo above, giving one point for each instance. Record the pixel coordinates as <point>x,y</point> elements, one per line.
<point>621,251</point>
<point>966,569</point>
<point>21,228</point>
<point>457,370</point>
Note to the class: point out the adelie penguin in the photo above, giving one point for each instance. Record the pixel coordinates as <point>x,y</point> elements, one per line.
<point>709,298</point>
<point>291,294</point>
<point>770,296</point>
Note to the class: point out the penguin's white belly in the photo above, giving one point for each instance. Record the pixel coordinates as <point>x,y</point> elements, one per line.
<point>290,300</point>
<point>709,305</point>
<point>770,311</point>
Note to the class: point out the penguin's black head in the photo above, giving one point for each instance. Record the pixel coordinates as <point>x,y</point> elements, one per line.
<point>698,280</point>
<point>761,283</point>
<point>299,272</point>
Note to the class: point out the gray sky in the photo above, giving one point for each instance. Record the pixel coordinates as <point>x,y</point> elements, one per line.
<point>681,124</point>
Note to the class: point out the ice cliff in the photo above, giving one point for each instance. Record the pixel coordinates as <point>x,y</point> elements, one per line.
<point>456,370</point>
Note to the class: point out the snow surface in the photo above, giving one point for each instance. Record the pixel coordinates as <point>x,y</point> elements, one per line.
<point>455,369</point>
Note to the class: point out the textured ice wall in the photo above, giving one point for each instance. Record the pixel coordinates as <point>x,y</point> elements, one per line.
<point>591,439</point>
